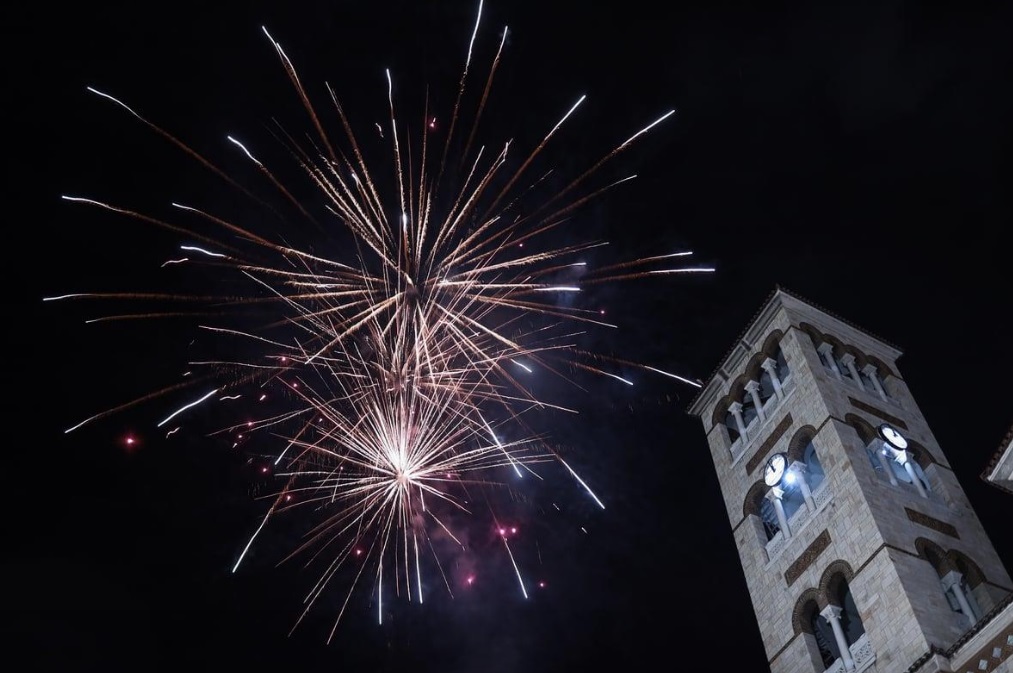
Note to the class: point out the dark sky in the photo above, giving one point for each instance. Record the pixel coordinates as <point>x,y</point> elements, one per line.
<point>852,155</point>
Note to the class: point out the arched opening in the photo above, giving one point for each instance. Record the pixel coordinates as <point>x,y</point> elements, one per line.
<point>781,364</point>
<point>813,466</point>
<point>958,575</point>
<point>973,580</point>
<point>851,621</point>
<point>768,517</point>
<point>793,500</point>
<point>749,411</point>
<point>727,419</point>
<point>967,568</point>
<point>823,634</point>
<point>802,449</point>
<point>866,433</point>
<point>767,389</point>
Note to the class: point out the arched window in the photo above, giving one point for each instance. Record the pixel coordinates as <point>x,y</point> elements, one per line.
<point>793,500</point>
<point>823,633</point>
<point>748,409</point>
<point>955,578</point>
<point>845,623</point>
<point>782,364</point>
<point>732,425</point>
<point>851,622</point>
<point>767,389</point>
<point>813,466</point>
<point>768,516</point>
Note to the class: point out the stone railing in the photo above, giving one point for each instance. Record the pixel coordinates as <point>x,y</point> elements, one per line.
<point>861,654</point>
<point>822,495</point>
<point>799,519</point>
<point>775,544</point>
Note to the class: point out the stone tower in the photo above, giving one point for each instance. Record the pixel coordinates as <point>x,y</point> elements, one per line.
<point>859,547</point>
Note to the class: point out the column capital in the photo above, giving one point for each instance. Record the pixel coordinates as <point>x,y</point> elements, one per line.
<point>901,456</point>
<point>951,578</point>
<point>775,493</point>
<point>825,347</point>
<point>870,370</point>
<point>831,613</point>
<point>735,407</point>
<point>768,364</point>
<point>753,386</point>
<point>799,467</point>
<point>847,359</point>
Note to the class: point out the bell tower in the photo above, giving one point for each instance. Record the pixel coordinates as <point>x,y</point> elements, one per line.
<point>860,549</point>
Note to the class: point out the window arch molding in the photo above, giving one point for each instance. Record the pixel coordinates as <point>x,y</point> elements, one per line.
<point>814,334</point>
<point>721,409</point>
<point>921,455</point>
<point>830,581</point>
<point>862,360</point>
<point>798,443</point>
<point>935,555</point>
<point>967,567</point>
<point>818,337</point>
<point>866,433</point>
<point>737,392</point>
<point>958,575</point>
<point>754,497</point>
<point>801,615</point>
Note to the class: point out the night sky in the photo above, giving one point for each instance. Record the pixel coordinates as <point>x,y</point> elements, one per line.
<point>852,155</point>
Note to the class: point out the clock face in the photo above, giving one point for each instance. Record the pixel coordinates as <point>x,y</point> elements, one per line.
<point>774,470</point>
<point>892,436</point>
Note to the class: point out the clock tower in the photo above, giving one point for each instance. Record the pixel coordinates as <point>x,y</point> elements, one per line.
<point>860,549</point>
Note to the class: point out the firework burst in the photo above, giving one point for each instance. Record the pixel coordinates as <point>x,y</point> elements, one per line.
<point>400,363</point>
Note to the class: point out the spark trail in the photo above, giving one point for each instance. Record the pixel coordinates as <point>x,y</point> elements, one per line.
<point>404,361</point>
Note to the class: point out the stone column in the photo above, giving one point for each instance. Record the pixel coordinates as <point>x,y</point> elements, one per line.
<point>770,366</point>
<point>827,351</point>
<point>873,374</point>
<point>736,409</point>
<point>848,360</point>
<point>952,582</point>
<point>832,614</point>
<point>880,448</point>
<point>904,458</point>
<point>799,470</point>
<point>753,388</point>
<point>774,495</point>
